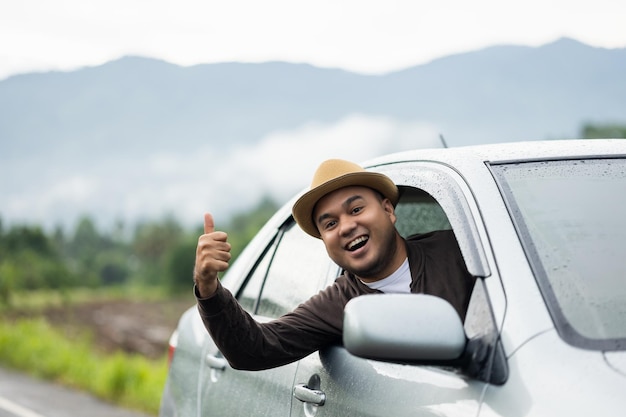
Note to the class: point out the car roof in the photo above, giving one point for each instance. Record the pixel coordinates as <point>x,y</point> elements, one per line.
<point>470,156</point>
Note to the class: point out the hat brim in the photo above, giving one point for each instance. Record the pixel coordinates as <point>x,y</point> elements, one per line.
<point>303,208</point>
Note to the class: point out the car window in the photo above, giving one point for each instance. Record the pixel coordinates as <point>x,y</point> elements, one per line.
<point>418,212</point>
<point>249,296</point>
<point>484,346</point>
<point>436,195</point>
<point>569,215</point>
<point>292,270</point>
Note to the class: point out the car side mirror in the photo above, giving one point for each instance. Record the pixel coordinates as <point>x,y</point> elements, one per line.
<point>403,327</point>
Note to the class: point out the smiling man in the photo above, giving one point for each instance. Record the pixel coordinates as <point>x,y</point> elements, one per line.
<point>353,212</point>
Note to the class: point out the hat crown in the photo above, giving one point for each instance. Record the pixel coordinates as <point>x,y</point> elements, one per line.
<point>332,169</point>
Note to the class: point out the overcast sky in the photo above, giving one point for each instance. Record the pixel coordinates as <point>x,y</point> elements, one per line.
<point>368,36</point>
<point>359,35</point>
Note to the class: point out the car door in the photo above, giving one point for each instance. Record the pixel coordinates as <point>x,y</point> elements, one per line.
<point>292,267</point>
<point>335,383</point>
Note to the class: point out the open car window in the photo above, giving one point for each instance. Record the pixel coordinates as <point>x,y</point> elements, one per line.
<point>418,212</point>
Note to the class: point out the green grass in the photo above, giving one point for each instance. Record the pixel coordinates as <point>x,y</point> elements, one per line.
<point>33,346</point>
<point>36,300</point>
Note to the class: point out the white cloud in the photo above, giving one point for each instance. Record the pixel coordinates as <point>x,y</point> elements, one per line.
<point>186,185</point>
<point>282,163</point>
<point>289,158</point>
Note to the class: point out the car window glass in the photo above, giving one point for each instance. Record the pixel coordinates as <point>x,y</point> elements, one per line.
<point>418,212</point>
<point>250,293</point>
<point>569,215</point>
<point>299,267</point>
<point>488,362</point>
<point>479,322</point>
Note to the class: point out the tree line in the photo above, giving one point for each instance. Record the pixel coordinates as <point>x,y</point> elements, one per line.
<point>158,253</point>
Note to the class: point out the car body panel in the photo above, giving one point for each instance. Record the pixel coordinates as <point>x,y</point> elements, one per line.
<point>242,393</point>
<point>550,378</point>
<point>361,387</point>
<point>180,397</point>
<point>617,361</point>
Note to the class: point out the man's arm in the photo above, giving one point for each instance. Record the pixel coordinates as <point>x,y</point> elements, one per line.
<point>250,345</point>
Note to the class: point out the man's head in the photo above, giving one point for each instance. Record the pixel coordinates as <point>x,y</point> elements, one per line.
<point>332,175</point>
<point>352,211</point>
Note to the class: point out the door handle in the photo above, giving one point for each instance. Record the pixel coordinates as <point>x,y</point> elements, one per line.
<point>216,362</point>
<point>308,395</point>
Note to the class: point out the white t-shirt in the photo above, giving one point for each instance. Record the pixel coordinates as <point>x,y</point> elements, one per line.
<point>398,282</point>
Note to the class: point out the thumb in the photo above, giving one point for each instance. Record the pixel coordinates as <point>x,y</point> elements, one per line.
<point>209,224</point>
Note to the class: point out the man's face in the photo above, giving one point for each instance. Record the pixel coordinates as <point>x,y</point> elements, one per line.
<point>357,227</point>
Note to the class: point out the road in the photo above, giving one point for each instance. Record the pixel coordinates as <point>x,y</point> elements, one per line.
<point>23,396</point>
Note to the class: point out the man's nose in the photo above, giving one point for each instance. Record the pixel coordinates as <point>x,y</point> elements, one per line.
<point>347,225</point>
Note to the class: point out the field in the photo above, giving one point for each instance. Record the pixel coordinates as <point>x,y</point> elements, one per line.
<point>113,345</point>
<point>114,323</point>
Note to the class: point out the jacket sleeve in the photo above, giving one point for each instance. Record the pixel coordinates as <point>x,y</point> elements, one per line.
<point>251,345</point>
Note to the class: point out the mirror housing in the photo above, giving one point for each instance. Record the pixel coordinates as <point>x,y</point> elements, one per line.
<point>403,327</point>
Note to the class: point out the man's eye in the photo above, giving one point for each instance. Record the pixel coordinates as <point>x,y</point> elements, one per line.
<point>357,210</point>
<point>330,224</point>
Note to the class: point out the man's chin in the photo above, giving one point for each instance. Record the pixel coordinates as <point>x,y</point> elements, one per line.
<point>369,274</point>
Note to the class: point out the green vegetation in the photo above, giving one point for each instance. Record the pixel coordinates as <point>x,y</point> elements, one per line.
<point>39,270</point>
<point>158,254</point>
<point>129,380</point>
<point>603,131</point>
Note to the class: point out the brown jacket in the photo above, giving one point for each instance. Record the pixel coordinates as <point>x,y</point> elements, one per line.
<point>437,268</point>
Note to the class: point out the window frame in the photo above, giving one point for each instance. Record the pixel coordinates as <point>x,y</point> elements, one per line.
<point>443,183</point>
<point>270,251</point>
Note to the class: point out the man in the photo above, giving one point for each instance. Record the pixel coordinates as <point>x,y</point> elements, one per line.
<point>353,212</point>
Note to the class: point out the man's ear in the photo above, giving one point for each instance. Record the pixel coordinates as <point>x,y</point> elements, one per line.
<point>389,208</point>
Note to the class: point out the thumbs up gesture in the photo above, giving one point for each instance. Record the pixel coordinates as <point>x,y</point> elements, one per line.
<point>212,256</point>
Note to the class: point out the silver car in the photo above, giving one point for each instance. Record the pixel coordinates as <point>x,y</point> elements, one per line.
<point>543,227</point>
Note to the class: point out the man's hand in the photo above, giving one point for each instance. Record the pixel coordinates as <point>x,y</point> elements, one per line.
<point>212,256</point>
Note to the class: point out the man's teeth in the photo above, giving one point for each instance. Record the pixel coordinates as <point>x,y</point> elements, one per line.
<point>356,243</point>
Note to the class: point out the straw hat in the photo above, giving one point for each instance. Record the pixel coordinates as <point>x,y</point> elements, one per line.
<point>332,175</point>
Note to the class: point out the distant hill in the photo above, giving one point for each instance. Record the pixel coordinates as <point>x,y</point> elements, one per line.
<point>59,121</point>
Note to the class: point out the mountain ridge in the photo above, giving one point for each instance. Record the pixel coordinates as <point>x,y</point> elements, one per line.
<point>137,93</point>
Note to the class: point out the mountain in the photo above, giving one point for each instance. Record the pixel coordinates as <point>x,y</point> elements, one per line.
<point>58,126</point>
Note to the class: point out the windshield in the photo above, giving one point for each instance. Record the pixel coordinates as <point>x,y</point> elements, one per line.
<point>571,218</point>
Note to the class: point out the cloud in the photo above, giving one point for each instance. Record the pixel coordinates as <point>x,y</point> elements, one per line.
<point>185,185</point>
<point>283,162</point>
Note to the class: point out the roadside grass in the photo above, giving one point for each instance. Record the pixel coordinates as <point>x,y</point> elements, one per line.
<point>132,381</point>
<point>34,346</point>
